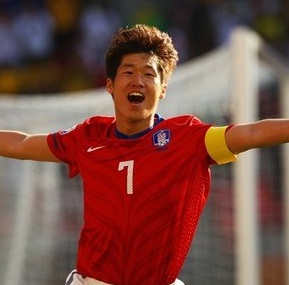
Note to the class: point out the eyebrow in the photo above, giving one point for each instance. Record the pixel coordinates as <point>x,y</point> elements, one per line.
<point>132,65</point>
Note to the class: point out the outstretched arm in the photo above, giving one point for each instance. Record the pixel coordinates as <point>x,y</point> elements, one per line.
<point>20,145</point>
<point>242,137</point>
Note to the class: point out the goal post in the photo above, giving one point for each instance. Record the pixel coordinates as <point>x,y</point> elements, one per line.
<point>249,52</point>
<point>285,148</point>
<point>285,152</point>
<point>245,77</point>
<point>282,70</point>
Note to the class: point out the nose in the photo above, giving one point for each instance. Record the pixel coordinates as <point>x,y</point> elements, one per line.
<point>137,80</point>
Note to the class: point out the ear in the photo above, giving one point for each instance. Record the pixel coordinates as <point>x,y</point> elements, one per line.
<point>109,86</point>
<point>164,91</point>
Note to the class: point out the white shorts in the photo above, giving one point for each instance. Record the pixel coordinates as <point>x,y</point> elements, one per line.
<point>76,279</point>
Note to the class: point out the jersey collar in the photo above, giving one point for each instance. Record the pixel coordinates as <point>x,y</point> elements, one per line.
<point>120,135</point>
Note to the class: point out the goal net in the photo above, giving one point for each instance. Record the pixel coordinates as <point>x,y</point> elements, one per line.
<point>41,209</point>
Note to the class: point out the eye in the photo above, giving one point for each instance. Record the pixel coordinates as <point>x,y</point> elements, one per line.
<point>150,74</point>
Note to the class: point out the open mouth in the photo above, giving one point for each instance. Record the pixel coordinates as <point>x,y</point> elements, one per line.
<point>135,98</point>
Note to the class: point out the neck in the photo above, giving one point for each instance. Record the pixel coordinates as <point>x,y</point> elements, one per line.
<point>135,135</point>
<point>130,128</point>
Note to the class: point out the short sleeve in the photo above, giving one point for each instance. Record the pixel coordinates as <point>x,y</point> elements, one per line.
<point>63,145</point>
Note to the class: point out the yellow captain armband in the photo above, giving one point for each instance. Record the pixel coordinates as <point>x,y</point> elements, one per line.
<point>217,147</point>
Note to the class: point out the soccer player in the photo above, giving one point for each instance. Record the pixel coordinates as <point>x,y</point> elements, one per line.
<point>145,178</point>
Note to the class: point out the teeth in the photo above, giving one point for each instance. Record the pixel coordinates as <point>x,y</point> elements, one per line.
<point>136,94</point>
<point>135,97</point>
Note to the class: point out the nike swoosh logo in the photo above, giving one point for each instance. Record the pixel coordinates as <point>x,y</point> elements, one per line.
<point>95,148</point>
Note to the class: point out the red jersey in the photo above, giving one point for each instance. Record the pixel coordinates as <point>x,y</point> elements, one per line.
<point>143,196</point>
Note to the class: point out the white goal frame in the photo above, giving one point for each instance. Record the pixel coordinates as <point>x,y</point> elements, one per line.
<point>247,48</point>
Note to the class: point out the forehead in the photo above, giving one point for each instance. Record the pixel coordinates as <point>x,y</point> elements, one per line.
<point>139,59</point>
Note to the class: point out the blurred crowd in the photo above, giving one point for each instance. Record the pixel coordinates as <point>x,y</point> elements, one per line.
<point>51,46</point>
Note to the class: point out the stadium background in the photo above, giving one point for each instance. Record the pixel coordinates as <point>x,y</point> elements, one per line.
<point>58,45</point>
<point>50,47</point>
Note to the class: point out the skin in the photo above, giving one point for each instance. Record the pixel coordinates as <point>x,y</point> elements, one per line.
<point>138,73</point>
<point>262,133</point>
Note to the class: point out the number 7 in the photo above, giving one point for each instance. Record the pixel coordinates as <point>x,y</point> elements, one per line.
<point>129,178</point>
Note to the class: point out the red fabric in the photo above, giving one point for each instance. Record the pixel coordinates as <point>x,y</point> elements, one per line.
<point>140,238</point>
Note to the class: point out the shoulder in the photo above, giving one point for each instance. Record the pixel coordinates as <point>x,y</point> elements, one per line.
<point>184,127</point>
<point>187,121</point>
<point>94,126</point>
<point>99,120</point>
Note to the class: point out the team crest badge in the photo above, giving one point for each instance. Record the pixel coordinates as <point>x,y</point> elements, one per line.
<point>161,138</point>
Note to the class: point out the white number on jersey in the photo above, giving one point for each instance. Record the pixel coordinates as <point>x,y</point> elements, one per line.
<point>129,180</point>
